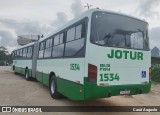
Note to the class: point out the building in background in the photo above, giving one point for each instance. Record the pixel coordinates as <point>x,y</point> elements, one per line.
<point>5,57</point>
<point>155,52</point>
<point>26,39</point>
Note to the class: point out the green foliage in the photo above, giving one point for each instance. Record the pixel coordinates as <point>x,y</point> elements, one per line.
<point>1,62</point>
<point>4,57</point>
<point>156,74</point>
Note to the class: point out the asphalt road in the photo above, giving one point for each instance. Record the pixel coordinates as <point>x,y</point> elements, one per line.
<point>16,91</point>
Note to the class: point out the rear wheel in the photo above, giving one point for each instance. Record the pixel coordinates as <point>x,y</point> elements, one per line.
<point>14,69</point>
<point>53,88</point>
<point>27,75</point>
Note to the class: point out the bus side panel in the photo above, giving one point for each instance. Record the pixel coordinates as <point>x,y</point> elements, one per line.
<point>45,79</point>
<point>70,89</point>
<point>43,71</point>
<point>70,69</point>
<point>23,71</point>
<point>39,76</point>
<point>18,70</point>
<point>71,81</point>
<point>20,66</point>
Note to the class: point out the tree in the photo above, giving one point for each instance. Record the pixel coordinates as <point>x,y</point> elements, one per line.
<point>4,56</point>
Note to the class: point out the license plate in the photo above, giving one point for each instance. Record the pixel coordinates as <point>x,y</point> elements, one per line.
<point>125,92</point>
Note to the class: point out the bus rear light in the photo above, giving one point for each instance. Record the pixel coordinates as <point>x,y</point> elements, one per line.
<point>92,73</point>
<point>145,82</point>
<point>150,73</point>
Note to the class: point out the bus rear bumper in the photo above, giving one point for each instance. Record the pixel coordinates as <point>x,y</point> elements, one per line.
<point>93,91</point>
<point>89,90</point>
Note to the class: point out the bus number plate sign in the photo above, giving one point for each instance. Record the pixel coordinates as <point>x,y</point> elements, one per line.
<point>125,92</point>
<point>74,67</point>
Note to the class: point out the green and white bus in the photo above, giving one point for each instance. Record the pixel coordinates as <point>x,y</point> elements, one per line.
<point>96,55</point>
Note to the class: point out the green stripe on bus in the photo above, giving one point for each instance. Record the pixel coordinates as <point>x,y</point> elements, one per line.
<point>18,69</point>
<point>39,76</point>
<point>45,79</point>
<point>70,89</point>
<point>22,71</point>
<point>93,91</point>
<point>30,73</point>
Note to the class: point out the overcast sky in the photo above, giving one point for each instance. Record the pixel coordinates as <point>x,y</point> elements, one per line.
<point>32,17</point>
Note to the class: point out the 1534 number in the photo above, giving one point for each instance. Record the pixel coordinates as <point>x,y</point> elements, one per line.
<point>109,77</point>
<point>74,67</point>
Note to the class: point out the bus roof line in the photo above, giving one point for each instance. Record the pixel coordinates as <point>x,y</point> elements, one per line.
<point>83,15</point>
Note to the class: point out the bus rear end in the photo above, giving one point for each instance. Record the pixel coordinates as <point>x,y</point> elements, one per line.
<point>118,56</point>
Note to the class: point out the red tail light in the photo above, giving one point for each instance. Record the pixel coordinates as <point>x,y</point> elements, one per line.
<point>92,73</point>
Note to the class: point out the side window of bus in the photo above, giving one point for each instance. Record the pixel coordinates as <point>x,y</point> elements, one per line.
<point>17,54</point>
<point>75,41</point>
<point>41,49</point>
<point>13,54</point>
<point>78,31</point>
<point>71,34</point>
<point>29,53</point>
<point>56,40</point>
<point>24,52</point>
<point>58,46</point>
<point>48,48</point>
<point>21,53</point>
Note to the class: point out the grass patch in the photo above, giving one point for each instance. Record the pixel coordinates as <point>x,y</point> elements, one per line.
<point>156,74</point>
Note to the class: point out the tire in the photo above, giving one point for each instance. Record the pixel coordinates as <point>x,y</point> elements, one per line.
<point>13,68</point>
<point>15,73</point>
<point>27,75</point>
<point>53,88</point>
